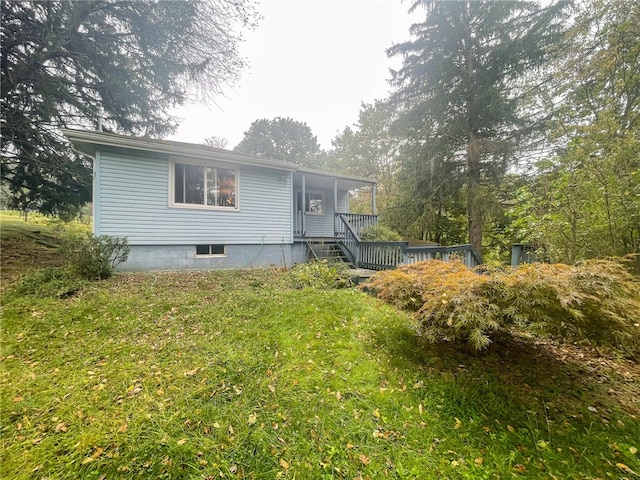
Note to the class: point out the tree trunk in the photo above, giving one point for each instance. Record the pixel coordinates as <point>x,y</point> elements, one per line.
<point>474,202</point>
<point>474,207</point>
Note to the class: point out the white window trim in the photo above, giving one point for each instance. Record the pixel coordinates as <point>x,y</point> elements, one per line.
<point>304,203</point>
<point>197,206</point>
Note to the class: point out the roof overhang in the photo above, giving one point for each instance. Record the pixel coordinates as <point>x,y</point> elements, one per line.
<point>88,142</point>
<point>322,179</point>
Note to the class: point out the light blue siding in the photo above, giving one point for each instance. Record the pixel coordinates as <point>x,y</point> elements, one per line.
<point>323,225</point>
<point>343,202</point>
<point>133,191</point>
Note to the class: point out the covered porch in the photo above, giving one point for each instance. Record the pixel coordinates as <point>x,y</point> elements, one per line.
<point>319,196</point>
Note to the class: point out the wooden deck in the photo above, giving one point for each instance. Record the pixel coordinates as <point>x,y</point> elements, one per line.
<point>385,255</point>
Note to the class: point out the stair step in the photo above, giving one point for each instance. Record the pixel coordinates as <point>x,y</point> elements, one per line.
<point>327,250</point>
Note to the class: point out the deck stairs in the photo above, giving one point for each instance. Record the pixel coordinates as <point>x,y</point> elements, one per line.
<point>326,249</point>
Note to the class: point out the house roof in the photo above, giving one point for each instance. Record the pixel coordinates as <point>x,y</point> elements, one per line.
<point>87,142</point>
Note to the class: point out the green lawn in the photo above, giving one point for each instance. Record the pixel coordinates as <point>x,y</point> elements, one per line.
<point>237,375</point>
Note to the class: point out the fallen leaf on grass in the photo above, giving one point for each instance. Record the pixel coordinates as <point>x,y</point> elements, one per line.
<point>61,427</point>
<point>625,468</point>
<point>252,418</point>
<point>94,456</point>
<point>284,464</point>
<point>478,462</point>
<point>17,399</point>
<point>364,459</point>
<point>520,468</point>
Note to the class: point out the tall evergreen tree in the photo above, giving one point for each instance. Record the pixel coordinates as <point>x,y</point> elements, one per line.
<point>466,75</point>
<point>67,63</point>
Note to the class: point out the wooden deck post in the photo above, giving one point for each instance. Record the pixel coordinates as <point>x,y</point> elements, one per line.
<point>373,199</point>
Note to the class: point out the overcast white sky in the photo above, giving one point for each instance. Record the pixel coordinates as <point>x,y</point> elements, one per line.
<point>313,61</point>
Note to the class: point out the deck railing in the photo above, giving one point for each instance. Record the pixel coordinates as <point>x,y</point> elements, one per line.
<point>384,255</point>
<point>359,223</point>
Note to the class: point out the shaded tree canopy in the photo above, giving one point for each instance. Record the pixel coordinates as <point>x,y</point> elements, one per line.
<point>67,63</point>
<point>466,75</point>
<point>282,139</point>
<point>584,202</point>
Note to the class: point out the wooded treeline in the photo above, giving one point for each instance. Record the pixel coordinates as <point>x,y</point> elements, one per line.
<point>509,123</point>
<point>506,121</point>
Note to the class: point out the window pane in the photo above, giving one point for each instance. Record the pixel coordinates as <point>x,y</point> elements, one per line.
<point>217,249</point>
<point>194,184</point>
<point>314,204</point>
<point>212,186</point>
<point>202,250</point>
<point>226,187</point>
<point>178,183</point>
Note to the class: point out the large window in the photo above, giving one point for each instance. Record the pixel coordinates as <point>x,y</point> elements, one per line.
<point>204,185</point>
<point>314,202</point>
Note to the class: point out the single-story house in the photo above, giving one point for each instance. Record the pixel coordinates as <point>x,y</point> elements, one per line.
<point>190,206</point>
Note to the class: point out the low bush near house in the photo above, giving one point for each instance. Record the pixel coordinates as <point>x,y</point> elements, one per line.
<point>380,233</point>
<point>322,274</point>
<point>94,257</point>
<point>596,301</point>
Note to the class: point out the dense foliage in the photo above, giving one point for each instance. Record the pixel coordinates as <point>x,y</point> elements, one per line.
<point>463,86</point>
<point>380,233</point>
<point>584,202</point>
<point>596,301</point>
<point>282,139</point>
<point>94,257</point>
<point>321,274</point>
<point>77,63</point>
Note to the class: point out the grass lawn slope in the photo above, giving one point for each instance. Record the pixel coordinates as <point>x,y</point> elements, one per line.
<point>235,374</point>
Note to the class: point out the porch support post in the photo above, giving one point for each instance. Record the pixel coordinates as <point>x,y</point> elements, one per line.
<point>304,205</point>
<point>373,199</point>
<point>335,205</point>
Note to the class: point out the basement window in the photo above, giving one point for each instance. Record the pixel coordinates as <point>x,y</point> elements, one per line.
<point>210,250</point>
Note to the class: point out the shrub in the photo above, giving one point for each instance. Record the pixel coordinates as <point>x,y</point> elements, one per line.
<point>321,274</point>
<point>49,282</point>
<point>596,301</point>
<point>92,257</point>
<point>380,233</point>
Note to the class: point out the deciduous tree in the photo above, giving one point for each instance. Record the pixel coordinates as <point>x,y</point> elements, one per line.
<point>585,202</point>
<point>282,139</point>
